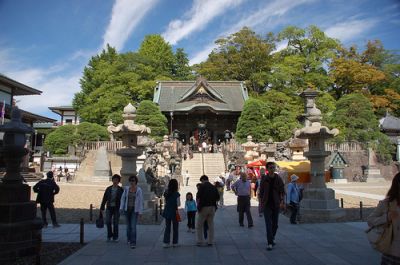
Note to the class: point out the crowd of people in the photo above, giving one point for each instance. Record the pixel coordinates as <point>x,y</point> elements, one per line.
<point>270,192</point>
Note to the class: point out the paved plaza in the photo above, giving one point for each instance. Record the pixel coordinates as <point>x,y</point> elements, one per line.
<point>329,243</point>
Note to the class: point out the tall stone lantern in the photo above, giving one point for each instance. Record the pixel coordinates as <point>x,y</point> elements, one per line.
<point>250,147</point>
<point>129,132</point>
<point>319,203</point>
<point>20,230</point>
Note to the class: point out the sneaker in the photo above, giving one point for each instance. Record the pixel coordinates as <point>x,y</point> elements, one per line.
<point>175,245</point>
<point>209,244</point>
<point>250,226</point>
<point>193,230</point>
<point>133,246</point>
<point>115,240</point>
<point>56,225</point>
<point>269,247</point>
<point>166,245</point>
<point>199,244</point>
<point>241,224</point>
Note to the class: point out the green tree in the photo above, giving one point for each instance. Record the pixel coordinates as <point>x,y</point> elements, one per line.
<point>253,121</point>
<point>355,119</point>
<point>242,56</point>
<point>58,141</point>
<point>110,82</point>
<point>302,63</point>
<point>284,111</point>
<point>149,114</point>
<point>182,70</point>
<point>159,53</point>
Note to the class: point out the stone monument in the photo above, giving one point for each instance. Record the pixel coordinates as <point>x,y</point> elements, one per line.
<point>319,203</point>
<point>373,173</point>
<point>101,166</point>
<point>250,147</point>
<point>20,230</point>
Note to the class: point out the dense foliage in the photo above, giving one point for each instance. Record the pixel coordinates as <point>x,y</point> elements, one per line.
<point>149,114</point>
<point>276,68</point>
<point>58,141</point>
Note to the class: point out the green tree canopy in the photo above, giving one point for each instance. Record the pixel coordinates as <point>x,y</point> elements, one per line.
<point>182,70</point>
<point>159,53</point>
<point>149,114</point>
<point>242,56</point>
<point>253,121</point>
<point>355,119</point>
<point>58,141</point>
<point>302,63</point>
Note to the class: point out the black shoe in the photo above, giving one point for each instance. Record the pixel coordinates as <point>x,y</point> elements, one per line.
<point>209,244</point>
<point>250,226</point>
<point>241,224</point>
<point>56,225</point>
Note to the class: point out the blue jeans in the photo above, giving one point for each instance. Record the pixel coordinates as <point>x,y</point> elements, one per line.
<point>112,231</point>
<point>131,221</point>
<point>167,232</point>
<point>271,217</point>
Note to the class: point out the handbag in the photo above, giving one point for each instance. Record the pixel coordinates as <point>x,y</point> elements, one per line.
<point>380,236</point>
<point>100,221</point>
<point>178,216</point>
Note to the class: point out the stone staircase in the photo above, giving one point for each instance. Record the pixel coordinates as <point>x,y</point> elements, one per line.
<point>213,166</point>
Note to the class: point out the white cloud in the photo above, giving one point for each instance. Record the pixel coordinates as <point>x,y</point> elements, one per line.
<point>201,13</point>
<point>350,30</point>
<point>269,16</point>
<point>126,15</point>
<point>57,83</point>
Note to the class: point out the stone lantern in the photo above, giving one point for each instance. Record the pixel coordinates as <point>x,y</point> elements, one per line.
<point>297,147</point>
<point>250,147</point>
<point>129,132</point>
<point>319,203</point>
<point>20,230</point>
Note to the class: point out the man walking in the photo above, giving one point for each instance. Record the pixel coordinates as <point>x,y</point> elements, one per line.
<point>208,196</point>
<point>272,195</point>
<point>242,189</point>
<point>46,189</point>
<point>112,198</point>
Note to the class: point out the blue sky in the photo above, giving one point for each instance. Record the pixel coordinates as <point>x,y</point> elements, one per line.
<point>47,43</point>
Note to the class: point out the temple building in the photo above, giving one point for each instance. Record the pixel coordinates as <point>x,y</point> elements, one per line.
<point>67,113</point>
<point>201,111</point>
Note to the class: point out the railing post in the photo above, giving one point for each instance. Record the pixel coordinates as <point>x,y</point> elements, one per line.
<point>361,210</point>
<point>81,232</point>
<point>91,212</point>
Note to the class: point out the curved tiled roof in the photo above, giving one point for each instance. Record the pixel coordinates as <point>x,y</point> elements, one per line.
<point>390,123</point>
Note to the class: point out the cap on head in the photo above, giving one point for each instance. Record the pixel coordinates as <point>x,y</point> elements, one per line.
<point>293,178</point>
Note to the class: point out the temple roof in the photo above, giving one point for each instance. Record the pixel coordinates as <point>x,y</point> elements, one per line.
<point>224,96</point>
<point>59,109</point>
<point>389,123</point>
<point>18,88</point>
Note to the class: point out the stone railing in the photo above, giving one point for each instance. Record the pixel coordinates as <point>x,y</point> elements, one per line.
<point>344,147</point>
<point>110,145</point>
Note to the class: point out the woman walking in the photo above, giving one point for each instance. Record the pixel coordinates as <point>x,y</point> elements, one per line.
<point>388,211</point>
<point>132,206</point>
<point>172,202</point>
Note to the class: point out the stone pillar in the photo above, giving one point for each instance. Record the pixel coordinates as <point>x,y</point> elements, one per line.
<point>309,96</point>
<point>20,230</point>
<point>319,203</point>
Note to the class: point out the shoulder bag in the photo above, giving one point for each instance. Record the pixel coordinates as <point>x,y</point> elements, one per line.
<point>380,236</point>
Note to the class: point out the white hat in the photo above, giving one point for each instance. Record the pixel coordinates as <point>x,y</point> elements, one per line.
<point>293,178</point>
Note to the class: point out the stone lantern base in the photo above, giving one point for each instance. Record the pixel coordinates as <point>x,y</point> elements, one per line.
<point>20,230</point>
<point>320,205</point>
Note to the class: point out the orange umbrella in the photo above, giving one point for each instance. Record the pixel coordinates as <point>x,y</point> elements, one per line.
<point>257,163</point>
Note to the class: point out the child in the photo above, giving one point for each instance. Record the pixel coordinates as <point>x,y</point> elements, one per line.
<point>190,208</point>
<point>205,222</point>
